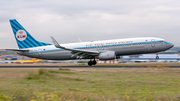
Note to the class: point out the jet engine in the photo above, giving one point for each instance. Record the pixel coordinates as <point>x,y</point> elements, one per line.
<point>108,55</point>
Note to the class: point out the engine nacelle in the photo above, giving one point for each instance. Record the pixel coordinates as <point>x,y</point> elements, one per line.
<point>109,55</point>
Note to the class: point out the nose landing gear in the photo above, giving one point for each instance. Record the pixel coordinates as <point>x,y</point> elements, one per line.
<point>157,57</point>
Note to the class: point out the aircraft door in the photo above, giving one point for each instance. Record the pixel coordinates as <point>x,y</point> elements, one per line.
<point>40,52</point>
<point>153,43</point>
<point>97,48</point>
<point>162,43</point>
<point>100,48</point>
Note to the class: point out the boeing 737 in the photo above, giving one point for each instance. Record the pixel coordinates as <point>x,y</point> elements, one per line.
<point>102,50</point>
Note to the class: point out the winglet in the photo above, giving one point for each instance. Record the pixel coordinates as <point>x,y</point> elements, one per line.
<point>56,44</point>
<point>79,39</point>
<point>33,59</point>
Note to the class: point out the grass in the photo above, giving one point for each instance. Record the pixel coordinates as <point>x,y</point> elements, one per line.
<point>143,84</point>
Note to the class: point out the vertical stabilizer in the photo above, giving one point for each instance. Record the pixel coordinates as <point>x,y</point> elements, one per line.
<point>23,38</point>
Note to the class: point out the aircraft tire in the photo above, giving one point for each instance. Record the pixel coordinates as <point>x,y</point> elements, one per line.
<point>157,57</point>
<point>94,62</point>
<point>90,63</point>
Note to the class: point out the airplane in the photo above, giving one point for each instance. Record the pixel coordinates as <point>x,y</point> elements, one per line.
<point>28,61</point>
<point>102,50</point>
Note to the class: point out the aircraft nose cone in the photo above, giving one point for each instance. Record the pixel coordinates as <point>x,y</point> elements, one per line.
<point>170,45</point>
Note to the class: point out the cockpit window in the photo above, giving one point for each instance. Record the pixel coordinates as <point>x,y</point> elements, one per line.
<point>162,41</point>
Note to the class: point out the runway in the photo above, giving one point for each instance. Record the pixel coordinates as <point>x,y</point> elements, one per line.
<point>84,66</point>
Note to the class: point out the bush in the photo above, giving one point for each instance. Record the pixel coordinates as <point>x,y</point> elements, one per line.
<point>41,73</point>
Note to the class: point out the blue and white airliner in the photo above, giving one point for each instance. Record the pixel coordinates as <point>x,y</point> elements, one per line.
<point>102,50</point>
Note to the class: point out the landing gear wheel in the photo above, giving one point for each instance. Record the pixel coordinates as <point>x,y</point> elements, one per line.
<point>94,62</point>
<point>90,63</point>
<point>157,57</point>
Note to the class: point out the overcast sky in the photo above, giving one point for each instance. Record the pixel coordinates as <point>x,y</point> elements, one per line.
<point>90,19</point>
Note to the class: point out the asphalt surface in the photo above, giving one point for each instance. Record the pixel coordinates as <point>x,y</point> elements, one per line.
<point>83,66</point>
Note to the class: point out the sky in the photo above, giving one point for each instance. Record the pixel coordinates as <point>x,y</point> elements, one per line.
<point>91,20</point>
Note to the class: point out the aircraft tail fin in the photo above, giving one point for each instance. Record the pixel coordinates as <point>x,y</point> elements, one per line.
<point>34,59</point>
<point>23,38</point>
<point>38,60</point>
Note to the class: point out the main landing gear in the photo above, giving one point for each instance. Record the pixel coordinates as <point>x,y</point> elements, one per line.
<point>157,57</point>
<point>90,63</point>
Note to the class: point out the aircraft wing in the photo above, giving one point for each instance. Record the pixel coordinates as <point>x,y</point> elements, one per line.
<point>18,50</point>
<point>76,51</point>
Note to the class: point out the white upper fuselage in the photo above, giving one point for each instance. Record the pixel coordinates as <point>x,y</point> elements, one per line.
<point>100,43</point>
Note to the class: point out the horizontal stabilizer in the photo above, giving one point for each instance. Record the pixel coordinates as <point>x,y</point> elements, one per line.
<point>19,50</point>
